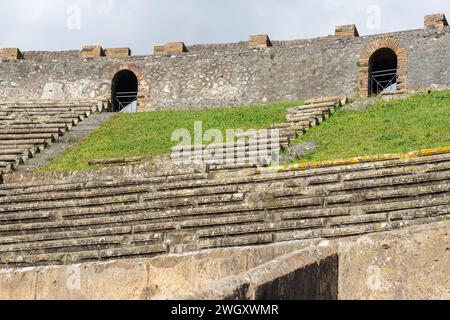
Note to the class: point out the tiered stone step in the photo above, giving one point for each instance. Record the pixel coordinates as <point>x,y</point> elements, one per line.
<point>70,222</point>
<point>27,129</point>
<point>304,117</point>
<point>246,153</point>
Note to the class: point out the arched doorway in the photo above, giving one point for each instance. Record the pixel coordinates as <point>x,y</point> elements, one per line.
<point>383,68</point>
<point>380,56</point>
<point>124,92</point>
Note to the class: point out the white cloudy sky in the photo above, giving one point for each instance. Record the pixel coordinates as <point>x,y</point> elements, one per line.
<point>140,24</point>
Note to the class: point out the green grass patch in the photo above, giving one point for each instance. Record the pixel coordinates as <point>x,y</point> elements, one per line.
<point>419,122</point>
<point>149,133</point>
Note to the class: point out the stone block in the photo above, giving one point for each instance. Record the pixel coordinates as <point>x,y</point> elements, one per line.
<point>118,280</point>
<point>435,21</point>
<point>260,40</point>
<point>348,30</point>
<point>10,53</point>
<point>117,52</point>
<point>92,51</point>
<point>336,99</point>
<point>170,48</point>
<point>18,284</point>
<point>159,51</point>
<point>175,47</point>
<point>400,265</point>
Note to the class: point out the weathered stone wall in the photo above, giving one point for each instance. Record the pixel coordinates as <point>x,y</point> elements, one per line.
<point>413,263</point>
<point>229,74</point>
<point>408,264</point>
<point>307,274</point>
<point>157,278</point>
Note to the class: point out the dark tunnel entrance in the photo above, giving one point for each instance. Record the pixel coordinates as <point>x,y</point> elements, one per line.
<point>382,71</point>
<point>124,92</point>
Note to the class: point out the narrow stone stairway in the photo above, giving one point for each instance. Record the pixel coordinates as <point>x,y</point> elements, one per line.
<point>76,134</point>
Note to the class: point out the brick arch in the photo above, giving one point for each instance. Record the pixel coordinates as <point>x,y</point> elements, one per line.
<point>143,97</point>
<point>364,63</point>
<point>116,67</point>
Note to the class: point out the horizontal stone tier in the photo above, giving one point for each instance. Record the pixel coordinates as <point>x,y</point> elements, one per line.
<point>26,129</point>
<point>12,206</point>
<point>244,153</point>
<point>70,222</point>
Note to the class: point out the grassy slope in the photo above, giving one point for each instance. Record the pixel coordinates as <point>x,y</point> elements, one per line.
<point>149,134</point>
<point>389,127</point>
<point>399,126</point>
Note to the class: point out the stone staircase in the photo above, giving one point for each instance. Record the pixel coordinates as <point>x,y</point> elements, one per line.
<point>69,220</point>
<point>26,129</point>
<point>246,153</point>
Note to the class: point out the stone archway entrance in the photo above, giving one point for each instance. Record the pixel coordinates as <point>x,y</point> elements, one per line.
<point>124,92</point>
<point>382,71</point>
<point>382,65</point>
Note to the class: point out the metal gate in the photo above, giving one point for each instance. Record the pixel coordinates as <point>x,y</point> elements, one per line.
<point>383,80</point>
<point>125,102</point>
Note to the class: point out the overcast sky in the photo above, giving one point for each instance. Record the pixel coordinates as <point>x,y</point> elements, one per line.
<point>141,24</point>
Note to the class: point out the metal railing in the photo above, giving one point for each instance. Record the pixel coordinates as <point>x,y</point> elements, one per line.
<point>125,102</point>
<point>383,80</point>
<point>131,108</point>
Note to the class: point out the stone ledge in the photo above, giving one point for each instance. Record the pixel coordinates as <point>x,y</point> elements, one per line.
<point>117,161</point>
<point>342,99</point>
<point>435,21</point>
<point>10,54</point>
<point>129,278</point>
<point>92,51</point>
<point>158,166</point>
<point>348,30</point>
<point>260,41</point>
<point>357,160</point>
<point>412,263</point>
<point>170,48</point>
<point>176,47</point>
<point>117,52</point>
<point>159,51</point>
<point>274,279</point>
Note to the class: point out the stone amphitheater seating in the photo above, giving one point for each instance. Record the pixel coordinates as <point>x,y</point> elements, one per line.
<point>26,129</point>
<point>70,221</point>
<point>298,121</point>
